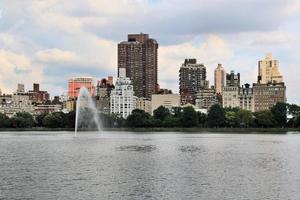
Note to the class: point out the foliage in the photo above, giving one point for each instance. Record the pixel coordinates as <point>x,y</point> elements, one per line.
<point>189,117</point>
<point>138,118</point>
<point>161,113</point>
<point>279,112</point>
<point>4,121</point>
<point>22,120</point>
<point>264,119</point>
<point>216,116</point>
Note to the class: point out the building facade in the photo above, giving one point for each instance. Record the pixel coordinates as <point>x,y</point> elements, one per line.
<point>232,79</point>
<point>36,95</point>
<point>219,78</point>
<point>205,98</point>
<point>167,100</point>
<point>144,104</point>
<point>76,83</point>
<point>18,102</point>
<point>122,99</point>
<point>138,55</point>
<point>230,97</point>
<point>246,98</point>
<point>267,95</point>
<point>192,78</point>
<point>268,71</point>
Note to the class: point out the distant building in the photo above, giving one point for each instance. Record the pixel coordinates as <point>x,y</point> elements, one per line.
<point>76,83</point>
<point>144,104</point>
<point>219,78</point>
<point>267,95</point>
<point>205,98</point>
<point>230,97</point>
<point>246,98</point>
<point>103,91</point>
<point>122,99</point>
<point>69,105</point>
<point>138,55</point>
<point>18,102</point>
<point>268,71</point>
<point>167,100</point>
<point>46,109</point>
<point>192,78</point>
<point>38,96</point>
<point>232,79</point>
<point>21,88</point>
<point>104,87</point>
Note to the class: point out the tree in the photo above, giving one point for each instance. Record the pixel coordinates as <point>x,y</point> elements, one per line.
<point>22,120</point>
<point>202,119</point>
<point>231,118</point>
<point>4,121</point>
<point>161,113</point>
<point>216,116</point>
<point>55,120</point>
<point>70,119</point>
<point>39,120</point>
<point>139,118</point>
<point>279,112</point>
<point>264,119</point>
<point>244,117</point>
<point>189,117</point>
<point>293,110</point>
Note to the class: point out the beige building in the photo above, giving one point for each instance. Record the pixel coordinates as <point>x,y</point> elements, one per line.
<point>230,97</point>
<point>246,98</point>
<point>268,71</point>
<point>144,104</point>
<point>205,98</point>
<point>219,78</point>
<point>167,100</point>
<point>267,95</point>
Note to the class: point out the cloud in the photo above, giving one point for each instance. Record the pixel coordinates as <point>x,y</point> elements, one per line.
<point>14,68</point>
<point>55,56</point>
<point>56,39</point>
<point>210,52</point>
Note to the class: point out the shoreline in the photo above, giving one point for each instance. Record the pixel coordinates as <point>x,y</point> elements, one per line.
<point>162,130</point>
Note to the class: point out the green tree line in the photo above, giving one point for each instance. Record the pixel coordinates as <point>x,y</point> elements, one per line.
<point>217,117</point>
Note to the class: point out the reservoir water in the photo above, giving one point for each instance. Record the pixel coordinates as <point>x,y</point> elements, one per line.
<point>52,165</point>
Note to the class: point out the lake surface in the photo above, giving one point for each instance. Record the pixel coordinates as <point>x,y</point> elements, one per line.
<point>149,166</point>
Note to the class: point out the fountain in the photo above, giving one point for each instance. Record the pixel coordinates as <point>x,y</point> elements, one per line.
<point>86,112</point>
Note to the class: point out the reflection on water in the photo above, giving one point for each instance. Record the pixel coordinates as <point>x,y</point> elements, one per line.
<point>149,166</point>
<point>139,148</point>
<point>191,149</point>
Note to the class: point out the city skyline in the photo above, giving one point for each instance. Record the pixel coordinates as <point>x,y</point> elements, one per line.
<point>49,43</point>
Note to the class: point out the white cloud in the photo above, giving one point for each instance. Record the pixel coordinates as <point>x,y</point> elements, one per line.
<point>17,68</point>
<point>56,56</point>
<point>213,51</point>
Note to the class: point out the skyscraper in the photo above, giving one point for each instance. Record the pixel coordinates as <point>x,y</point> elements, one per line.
<point>192,78</point>
<point>268,71</point>
<point>219,78</point>
<point>138,55</point>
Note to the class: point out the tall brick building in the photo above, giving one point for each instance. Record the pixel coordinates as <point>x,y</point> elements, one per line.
<point>139,56</point>
<point>192,78</point>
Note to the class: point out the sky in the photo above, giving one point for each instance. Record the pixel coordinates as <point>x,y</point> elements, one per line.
<point>50,41</point>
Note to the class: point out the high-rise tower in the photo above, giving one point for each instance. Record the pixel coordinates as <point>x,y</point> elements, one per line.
<point>138,55</point>
<point>219,78</point>
<point>268,71</point>
<point>192,78</point>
